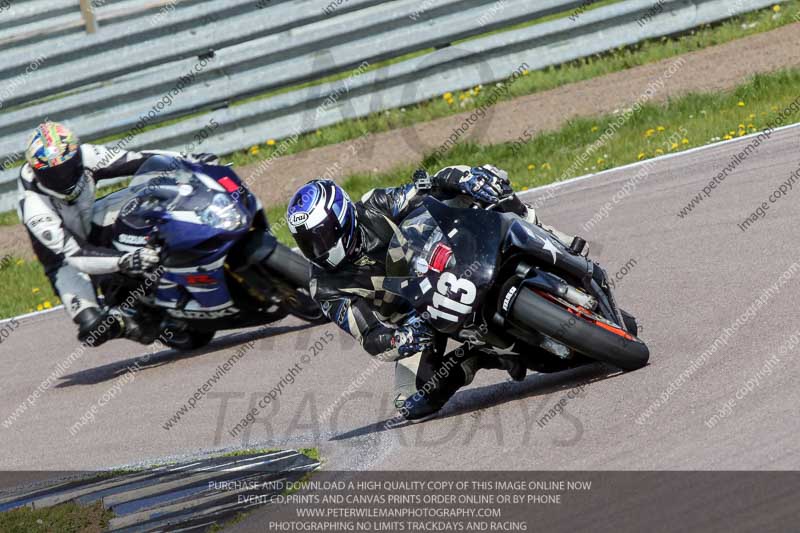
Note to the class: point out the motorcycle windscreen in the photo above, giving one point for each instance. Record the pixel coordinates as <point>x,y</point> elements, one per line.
<point>451,256</point>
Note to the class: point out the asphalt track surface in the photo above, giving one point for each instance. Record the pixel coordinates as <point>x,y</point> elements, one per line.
<point>692,278</point>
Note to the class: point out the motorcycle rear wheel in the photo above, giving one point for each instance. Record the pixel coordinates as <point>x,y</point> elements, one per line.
<point>581,331</point>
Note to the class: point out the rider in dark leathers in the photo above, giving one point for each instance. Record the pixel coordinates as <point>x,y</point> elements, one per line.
<point>347,244</point>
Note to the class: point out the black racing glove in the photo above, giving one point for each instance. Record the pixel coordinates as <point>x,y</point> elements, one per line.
<point>413,337</point>
<point>139,262</point>
<point>484,184</point>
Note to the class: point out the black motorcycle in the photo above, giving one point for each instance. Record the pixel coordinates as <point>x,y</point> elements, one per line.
<point>221,266</point>
<point>498,282</point>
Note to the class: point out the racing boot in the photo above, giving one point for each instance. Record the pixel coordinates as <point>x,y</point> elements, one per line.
<point>420,407</point>
<point>96,327</point>
<point>514,366</point>
<point>511,363</point>
<point>528,213</point>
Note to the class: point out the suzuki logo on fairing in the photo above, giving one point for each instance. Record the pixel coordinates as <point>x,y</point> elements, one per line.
<point>180,313</point>
<point>132,239</point>
<point>298,219</point>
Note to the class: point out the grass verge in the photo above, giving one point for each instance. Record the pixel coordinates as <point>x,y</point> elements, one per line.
<point>64,518</point>
<point>459,101</point>
<point>690,121</point>
<point>533,82</point>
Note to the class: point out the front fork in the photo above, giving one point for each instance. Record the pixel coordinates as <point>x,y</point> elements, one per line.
<point>599,298</point>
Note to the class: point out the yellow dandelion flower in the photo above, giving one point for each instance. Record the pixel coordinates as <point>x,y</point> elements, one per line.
<point>776,8</point>
<point>731,132</point>
<point>742,133</point>
<point>531,166</point>
<point>659,151</point>
<point>447,96</point>
<point>649,132</point>
<point>601,161</point>
<point>595,128</point>
<point>674,146</point>
<point>525,72</point>
<point>728,137</point>
<point>642,155</point>
<point>254,150</point>
<point>661,128</point>
<point>47,304</point>
<point>752,116</point>
<point>35,290</point>
<point>20,262</point>
<point>40,307</point>
<point>741,104</point>
<point>546,166</point>
<point>462,96</point>
<point>774,108</point>
<point>751,125</point>
<point>685,141</point>
<point>271,142</point>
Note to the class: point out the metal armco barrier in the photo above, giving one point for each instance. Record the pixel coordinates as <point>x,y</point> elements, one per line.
<point>203,61</point>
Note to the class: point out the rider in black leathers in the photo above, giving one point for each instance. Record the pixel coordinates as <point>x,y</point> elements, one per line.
<point>347,243</point>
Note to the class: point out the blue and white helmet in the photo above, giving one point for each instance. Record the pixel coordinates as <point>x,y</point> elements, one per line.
<point>324,223</point>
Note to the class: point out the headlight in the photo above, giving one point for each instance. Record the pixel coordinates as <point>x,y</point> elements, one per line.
<point>223,213</point>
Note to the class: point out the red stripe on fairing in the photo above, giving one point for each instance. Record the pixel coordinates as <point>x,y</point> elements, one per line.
<point>229,184</point>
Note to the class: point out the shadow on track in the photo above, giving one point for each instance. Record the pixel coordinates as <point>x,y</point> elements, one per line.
<point>113,370</point>
<point>480,398</point>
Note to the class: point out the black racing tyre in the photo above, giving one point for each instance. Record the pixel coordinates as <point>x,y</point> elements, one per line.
<point>290,265</point>
<point>295,268</point>
<point>191,340</point>
<point>600,342</point>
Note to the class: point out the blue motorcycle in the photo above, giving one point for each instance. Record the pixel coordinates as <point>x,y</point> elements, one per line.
<point>221,266</point>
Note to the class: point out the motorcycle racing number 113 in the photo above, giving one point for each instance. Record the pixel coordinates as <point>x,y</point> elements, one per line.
<point>461,288</point>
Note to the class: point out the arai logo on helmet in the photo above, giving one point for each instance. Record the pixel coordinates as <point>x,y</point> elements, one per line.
<point>298,219</point>
<point>129,208</point>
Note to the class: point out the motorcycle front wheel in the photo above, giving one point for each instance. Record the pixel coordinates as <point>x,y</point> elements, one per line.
<point>296,269</point>
<point>191,340</point>
<point>579,329</point>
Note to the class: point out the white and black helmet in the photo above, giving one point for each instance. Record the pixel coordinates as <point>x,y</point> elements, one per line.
<point>323,220</point>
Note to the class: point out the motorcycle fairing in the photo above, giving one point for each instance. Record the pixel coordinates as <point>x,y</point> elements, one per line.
<point>169,198</point>
<point>467,243</point>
